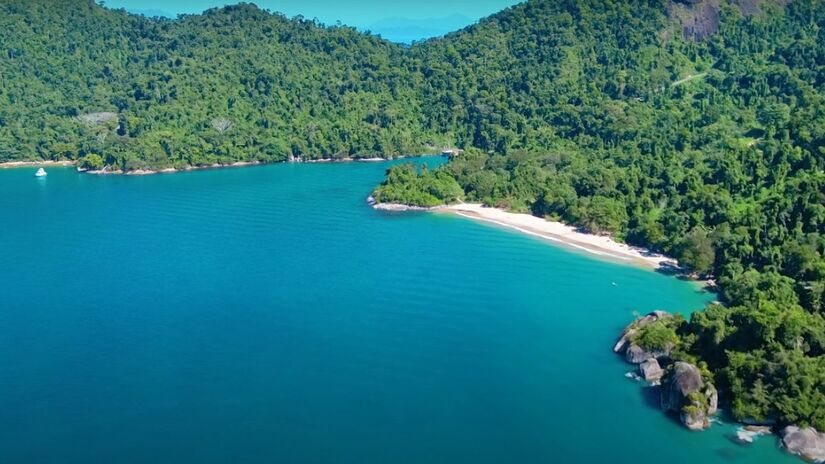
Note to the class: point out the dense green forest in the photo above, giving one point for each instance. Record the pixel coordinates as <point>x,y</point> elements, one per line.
<point>407,186</point>
<point>623,117</point>
<point>233,84</point>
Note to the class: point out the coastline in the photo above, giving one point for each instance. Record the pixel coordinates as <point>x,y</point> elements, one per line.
<point>34,164</point>
<point>599,245</point>
<point>146,172</point>
<point>237,164</point>
<point>397,207</point>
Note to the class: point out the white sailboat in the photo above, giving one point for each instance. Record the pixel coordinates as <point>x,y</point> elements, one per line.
<point>40,173</point>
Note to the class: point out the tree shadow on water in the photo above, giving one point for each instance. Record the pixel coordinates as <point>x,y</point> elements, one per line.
<point>729,454</point>
<point>651,396</point>
<point>652,399</point>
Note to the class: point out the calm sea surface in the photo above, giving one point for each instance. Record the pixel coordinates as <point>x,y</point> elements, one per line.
<point>268,315</point>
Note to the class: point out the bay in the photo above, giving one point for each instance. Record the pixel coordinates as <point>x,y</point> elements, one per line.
<point>267,314</point>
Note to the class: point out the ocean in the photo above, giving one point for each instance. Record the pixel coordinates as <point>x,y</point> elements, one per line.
<point>268,315</point>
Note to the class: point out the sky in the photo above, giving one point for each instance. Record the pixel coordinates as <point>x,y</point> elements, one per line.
<point>397,20</point>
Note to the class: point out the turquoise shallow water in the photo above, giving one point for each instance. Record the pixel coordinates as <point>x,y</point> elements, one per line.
<point>266,314</point>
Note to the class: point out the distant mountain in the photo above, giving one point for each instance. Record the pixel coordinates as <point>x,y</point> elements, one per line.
<point>151,13</point>
<point>399,30</point>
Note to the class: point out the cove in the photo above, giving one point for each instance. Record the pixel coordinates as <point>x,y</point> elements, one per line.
<point>267,314</point>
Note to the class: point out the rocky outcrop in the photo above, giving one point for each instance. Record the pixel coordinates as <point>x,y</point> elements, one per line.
<point>683,380</point>
<point>651,371</point>
<point>624,340</point>
<point>684,391</point>
<point>687,394</point>
<point>398,206</point>
<point>758,429</point>
<point>749,433</point>
<point>97,118</point>
<point>713,399</point>
<point>699,19</point>
<point>633,353</point>
<point>804,442</point>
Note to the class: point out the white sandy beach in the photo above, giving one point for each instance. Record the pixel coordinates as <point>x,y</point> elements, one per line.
<point>600,245</point>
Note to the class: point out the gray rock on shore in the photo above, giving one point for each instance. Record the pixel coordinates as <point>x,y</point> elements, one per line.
<point>398,206</point>
<point>684,392</point>
<point>749,433</point>
<point>651,371</point>
<point>806,443</point>
<point>635,354</point>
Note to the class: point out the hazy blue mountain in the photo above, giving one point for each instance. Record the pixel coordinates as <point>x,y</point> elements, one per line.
<point>403,21</point>
<point>407,30</point>
<point>151,12</point>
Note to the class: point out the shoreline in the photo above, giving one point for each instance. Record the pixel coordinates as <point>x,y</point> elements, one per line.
<point>34,164</point>
<point>146,172</point>
<point>149,172</point>
<point>236,164</point>
<point>399,207</point>
<point>568,236</point>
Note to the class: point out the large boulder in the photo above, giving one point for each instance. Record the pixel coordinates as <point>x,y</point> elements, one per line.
<point>687,394</point>
<point>713,399</point>
<point>635,354</point>
<point>651,370</point>
<point>806,443</point>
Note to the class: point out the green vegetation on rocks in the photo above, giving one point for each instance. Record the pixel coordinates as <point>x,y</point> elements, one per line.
<point>405,185</point>
<point>659,335</point>
<point>91,162</point>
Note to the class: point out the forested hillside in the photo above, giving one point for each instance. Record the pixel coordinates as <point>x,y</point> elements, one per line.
<point>710,149</point>
<point>693,130</point>
<point>233,84</point>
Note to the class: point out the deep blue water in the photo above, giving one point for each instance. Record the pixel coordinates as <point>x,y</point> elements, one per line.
<point>267,315</point>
